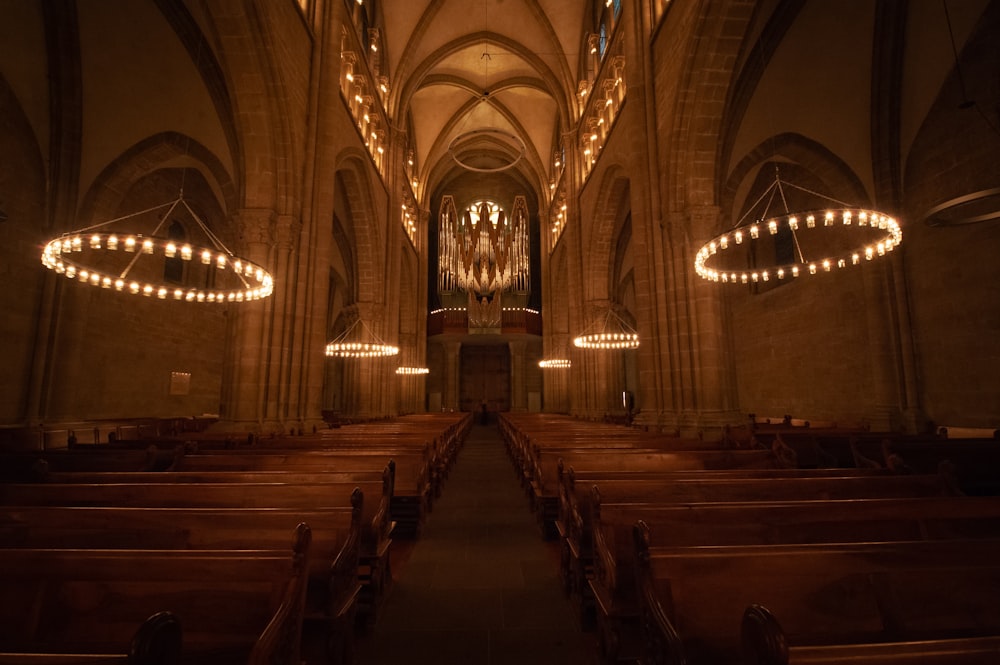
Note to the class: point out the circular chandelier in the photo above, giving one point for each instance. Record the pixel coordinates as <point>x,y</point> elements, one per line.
<point>887,235</point>
<point>108,259</point>
<point>614,334</point>
<point>879,234</point>
<point>555,363</point>
<point>360,344</point>
<point>411,371</point>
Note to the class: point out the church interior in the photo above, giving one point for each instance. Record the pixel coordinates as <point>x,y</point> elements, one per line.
<point>704,237</point>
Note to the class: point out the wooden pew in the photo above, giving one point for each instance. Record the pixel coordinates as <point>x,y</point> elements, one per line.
<point>334,586</point>
<point>765,643</point>
<point>692,599</point>
<point>576,488</point>
<point>377,526</point>
<point>576,498</point>
<point>713,486</point>
<point>411,491</point>
<point>545,478</point>
<point>17,466</point>
<point>157,641</point>
<point>523,433</point>
<point>760,523</point>
<point>242,606</point>
<point>438,435</point>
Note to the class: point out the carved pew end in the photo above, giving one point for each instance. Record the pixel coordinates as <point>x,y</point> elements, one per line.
<point>157,642</point>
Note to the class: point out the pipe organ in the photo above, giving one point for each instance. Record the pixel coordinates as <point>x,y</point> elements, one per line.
<point>483,259</point>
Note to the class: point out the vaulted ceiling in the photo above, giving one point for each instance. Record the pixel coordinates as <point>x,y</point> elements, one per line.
<point>484,83</point>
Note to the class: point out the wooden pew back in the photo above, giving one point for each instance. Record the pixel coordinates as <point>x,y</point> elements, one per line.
<point>233,606</point>
<point>827,593</point>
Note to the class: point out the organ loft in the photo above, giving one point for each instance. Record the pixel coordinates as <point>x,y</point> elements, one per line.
<point>738,235</point>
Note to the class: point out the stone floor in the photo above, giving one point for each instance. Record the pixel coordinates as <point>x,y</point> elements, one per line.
<point>479,586</point>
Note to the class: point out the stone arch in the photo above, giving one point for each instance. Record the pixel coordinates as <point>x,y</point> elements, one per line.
<point>211,71</point>
<point>161,151</point>
<point>612,200</point>
<point>817,160</point>
<point>352,176</point>
<point>265,129</point>
<point>704,72</point>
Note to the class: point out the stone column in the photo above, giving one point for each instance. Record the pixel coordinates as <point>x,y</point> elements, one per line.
<point>248,351</point>
<point>518,376</point>
<point>601,367</point>
<point>708,379</point>
<point>280,399</point>
<point>452,379</point>
<point>368,377</point>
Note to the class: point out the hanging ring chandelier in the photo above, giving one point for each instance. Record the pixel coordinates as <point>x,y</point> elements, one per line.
<point>555,363</point>
<point>880,232</point>
<point>887,235</point>
<point>107,259</point>
<point>361,344</point>
<point>412,371</point>
<point>614,334</point>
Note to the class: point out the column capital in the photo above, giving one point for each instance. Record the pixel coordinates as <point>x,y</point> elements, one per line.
<point>256,225</point>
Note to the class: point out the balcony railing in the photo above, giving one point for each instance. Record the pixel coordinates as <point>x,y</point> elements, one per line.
<point>512,321</point>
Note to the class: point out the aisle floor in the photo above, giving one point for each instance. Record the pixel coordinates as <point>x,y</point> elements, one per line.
<point>479,586</point>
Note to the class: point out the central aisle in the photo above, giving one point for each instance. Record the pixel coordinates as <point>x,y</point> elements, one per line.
<point>479,586</point>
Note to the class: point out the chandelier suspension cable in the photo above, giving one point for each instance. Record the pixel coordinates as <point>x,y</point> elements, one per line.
<point>776,187</point>
<point>614,333</point>
<point>366,345</point>
<point>166,216</point>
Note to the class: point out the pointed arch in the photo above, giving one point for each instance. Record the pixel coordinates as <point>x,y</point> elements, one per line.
<point>613,203</point>
<point>815,158</point>
<point>354,184</point>
<point>160,151</point>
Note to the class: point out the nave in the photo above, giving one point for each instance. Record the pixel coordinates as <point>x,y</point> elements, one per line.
<point>479,585</point>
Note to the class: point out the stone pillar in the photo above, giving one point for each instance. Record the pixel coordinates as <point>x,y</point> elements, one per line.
<point>280,399</point>
<point>250,340</point>
<point>602,368</point>
<point>706,372</point>
<point>368,377</point>
<point>882,407</point>
<point>518,375</point>
<point>452,378</point>
<point>913,419</point>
